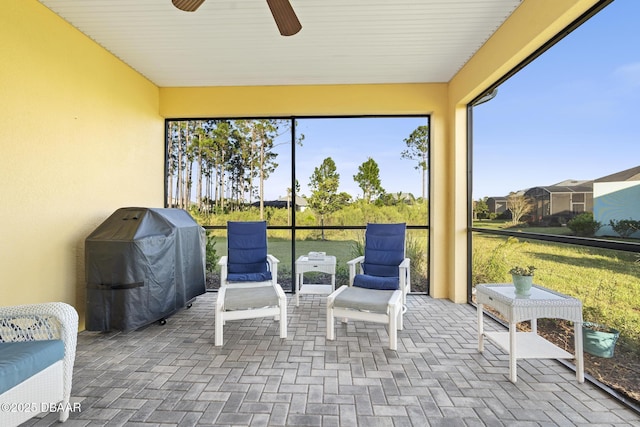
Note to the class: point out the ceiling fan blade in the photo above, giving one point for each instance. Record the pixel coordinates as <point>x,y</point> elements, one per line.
<point>285,17</point>
<point>187,5</point>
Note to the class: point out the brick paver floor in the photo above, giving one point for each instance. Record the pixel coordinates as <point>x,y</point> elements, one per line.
<point>173,375</point>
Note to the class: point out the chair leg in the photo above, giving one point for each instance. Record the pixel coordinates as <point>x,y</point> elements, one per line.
<point>283,319</point>
<point>330,323</point>
<point>218,328</point>
<point>64,414</point>
<point>393,328</point>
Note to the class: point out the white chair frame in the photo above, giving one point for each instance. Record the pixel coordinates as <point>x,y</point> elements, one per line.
<point>393,317</point>
<point>278,312</point>
<point>50,387</point>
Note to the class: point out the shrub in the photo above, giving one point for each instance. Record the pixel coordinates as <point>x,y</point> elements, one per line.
<point>211,254</point>
<point>584,225</point>
<point>491,266</point>
<point>625,227</point>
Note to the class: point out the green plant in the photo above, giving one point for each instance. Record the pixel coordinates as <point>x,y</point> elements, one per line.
<point>522,271</point>
<point>625,227</point>
<point>489,265</point>
<point>211,254</point>
<point>584,225</point>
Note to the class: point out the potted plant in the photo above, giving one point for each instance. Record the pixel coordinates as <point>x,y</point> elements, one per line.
<point>522,279</point>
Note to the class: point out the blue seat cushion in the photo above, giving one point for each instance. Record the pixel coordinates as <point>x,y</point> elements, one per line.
<point>21,360</point>
<point>376,282</point>
<point>249,277</point>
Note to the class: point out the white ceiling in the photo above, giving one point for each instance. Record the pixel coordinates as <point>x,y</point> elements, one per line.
<point>236,42</point>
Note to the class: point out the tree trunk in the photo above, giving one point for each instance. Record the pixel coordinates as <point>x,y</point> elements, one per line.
<point>200,165</point>
<point>179,194</point>
<point>261,184</point>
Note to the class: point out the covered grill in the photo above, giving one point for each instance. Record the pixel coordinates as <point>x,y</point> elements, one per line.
<point>142,265</point>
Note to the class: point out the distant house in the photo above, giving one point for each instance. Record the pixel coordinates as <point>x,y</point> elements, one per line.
<point>497,205</point>
<point>562,200</point>
<point>617,197</point>
<point>283,203</point>
<point>301,202</point>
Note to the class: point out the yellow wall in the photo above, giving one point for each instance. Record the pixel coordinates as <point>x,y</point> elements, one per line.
<point>81,136</point>
<point>254,101</point>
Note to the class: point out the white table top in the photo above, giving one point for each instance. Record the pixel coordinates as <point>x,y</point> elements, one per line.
<point>542,303</point>
<point>328,259</point>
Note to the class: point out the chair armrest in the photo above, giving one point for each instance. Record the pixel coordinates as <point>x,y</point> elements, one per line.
<point>273,267</point>
<point>352,267</point>
<point>405,277</point>
<point>33,322</point>
<point>46,321</point>
<point>356,260</point>
<point>222,262</point>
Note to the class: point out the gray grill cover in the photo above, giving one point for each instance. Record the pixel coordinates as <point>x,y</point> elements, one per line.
<point>142,265</point>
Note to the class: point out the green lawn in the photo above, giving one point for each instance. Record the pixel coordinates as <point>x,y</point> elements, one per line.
<point>502,224</point>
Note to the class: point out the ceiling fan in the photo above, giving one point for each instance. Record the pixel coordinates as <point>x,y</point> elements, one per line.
<point>282,12</point>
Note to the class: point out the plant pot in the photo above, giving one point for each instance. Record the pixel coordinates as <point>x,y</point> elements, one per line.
<point>599,340</point>
<point>523,284</point>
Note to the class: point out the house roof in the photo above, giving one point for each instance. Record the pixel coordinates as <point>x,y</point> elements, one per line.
<point>572,183</point>
<point>632,174</point>
<point>300,201</point>
<point>585,188</point>
<point>236,43</point>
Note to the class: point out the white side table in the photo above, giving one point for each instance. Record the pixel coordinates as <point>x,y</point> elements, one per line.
<point>303,265</point>
<point>543,303</point>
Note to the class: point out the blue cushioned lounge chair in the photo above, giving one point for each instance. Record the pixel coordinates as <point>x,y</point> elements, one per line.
<point>378,282</point>
<point>249,279</point>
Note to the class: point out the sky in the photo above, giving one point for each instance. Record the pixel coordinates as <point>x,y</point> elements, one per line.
<point>349,143</point>
<point>573,113</point>
<point>570,114</point>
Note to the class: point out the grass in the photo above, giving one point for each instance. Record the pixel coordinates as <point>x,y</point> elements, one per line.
<point>504,224</point>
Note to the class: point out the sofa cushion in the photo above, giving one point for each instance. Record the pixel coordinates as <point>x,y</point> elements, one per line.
<point>21,360</point>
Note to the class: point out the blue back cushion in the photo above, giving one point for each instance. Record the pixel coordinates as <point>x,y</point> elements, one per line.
<point>247,251</point>
<point>21,360</point>
<point>384,249</point>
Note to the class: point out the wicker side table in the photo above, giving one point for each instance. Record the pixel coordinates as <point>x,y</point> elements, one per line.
<point>542,303</point>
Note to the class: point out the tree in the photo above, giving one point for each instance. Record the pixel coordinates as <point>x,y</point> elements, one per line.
<point>625,227</point>
<point>418,149</point>
<point>324,184</point>
<point>519,205</point>
<point>481,209</point>
<point>368,178</point>
<point>290,200</point>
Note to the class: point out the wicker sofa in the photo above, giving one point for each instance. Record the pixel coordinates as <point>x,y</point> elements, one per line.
<point>37,353</point>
